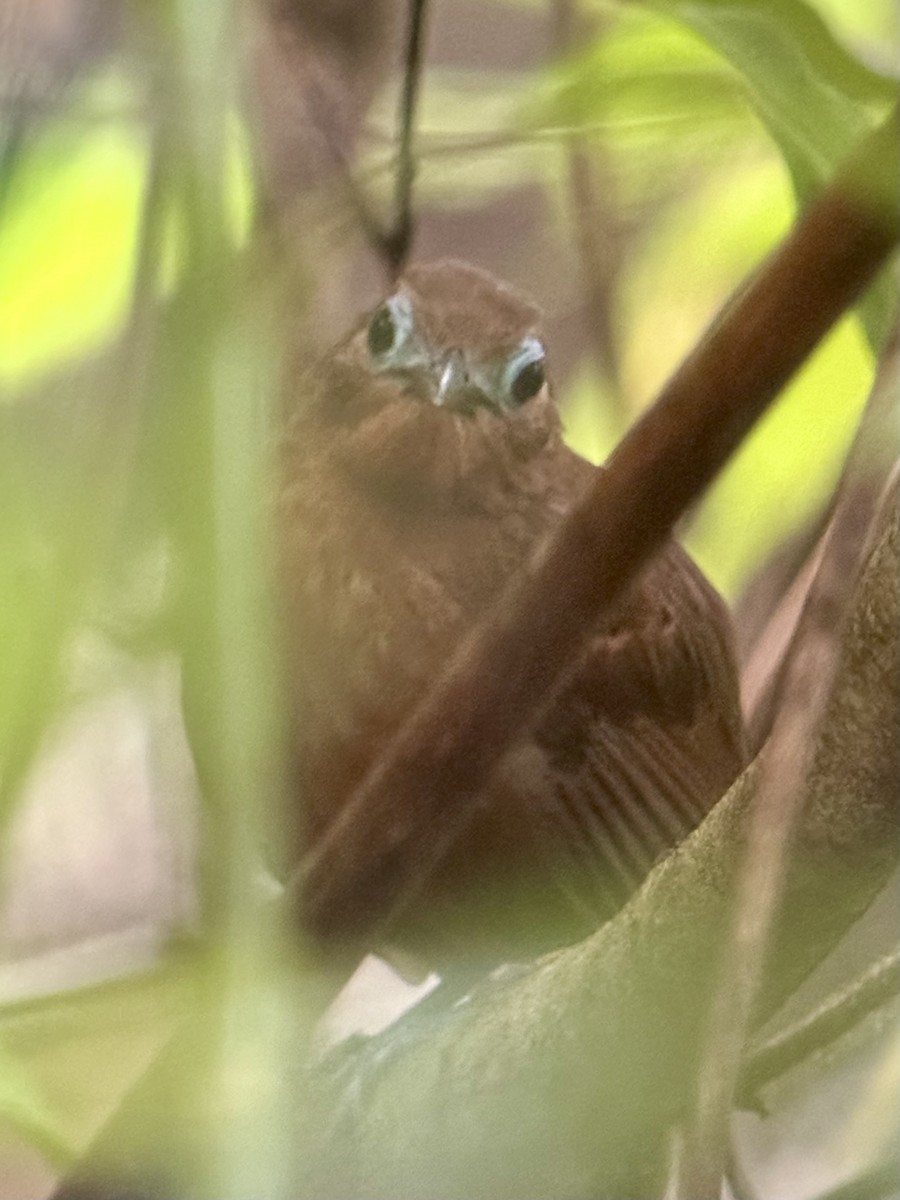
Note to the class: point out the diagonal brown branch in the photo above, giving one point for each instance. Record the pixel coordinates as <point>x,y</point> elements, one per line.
<point>429,777</point>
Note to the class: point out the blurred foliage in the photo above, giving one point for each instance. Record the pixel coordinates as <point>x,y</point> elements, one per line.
<point>65,1060</point>
<point>67,251</point>
<point>814,98</point>
<point>717,117</point>
<point>144,375</point>
<point>24,1109</point>
<point>70,229</point>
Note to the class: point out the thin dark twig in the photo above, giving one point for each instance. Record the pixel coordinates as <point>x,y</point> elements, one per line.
<point>397,240</point>
<point>506,671</point>
<point>393,241</point>
<point>596,252</point>
<point>831,1020</point>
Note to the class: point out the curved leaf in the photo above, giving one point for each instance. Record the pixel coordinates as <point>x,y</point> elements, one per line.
<point>816,99</point>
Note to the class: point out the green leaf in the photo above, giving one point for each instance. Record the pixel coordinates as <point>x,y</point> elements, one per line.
<point>67,1059</point>
<point>662,100</point>
<point>785,471</point>
<point>814,97</point>
<point>23,1107</point>
<point>67,248</point>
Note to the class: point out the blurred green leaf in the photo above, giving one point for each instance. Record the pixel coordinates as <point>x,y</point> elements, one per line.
<point>67,254</point>
<point>657,96</point>
<point>641,70</point>
<point>816,99</point>
<point>23,1107</point>
<point>785,471</point>
<point>66,1060</point>
<point>69,236</point>
<point>871,1130</point>
<point>589,415</point>
<point>689,259</point>
<point>873,26</point>
<point>708,62</point>
<point>675,76</point>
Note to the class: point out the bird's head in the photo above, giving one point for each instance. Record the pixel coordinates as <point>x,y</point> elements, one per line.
<point>442,388</point>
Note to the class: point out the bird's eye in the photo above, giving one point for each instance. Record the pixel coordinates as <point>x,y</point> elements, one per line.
<point>528,382</point>
<point>390,327</point>
<point>382,331</point>
<point>524,374</point>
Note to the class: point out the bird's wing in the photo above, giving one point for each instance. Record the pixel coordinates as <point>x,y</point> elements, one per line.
<point>642,741</point>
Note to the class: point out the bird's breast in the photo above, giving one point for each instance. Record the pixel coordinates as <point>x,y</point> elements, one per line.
<point>375,601</point>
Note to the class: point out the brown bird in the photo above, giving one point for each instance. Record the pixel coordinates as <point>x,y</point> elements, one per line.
<point>423,465</point>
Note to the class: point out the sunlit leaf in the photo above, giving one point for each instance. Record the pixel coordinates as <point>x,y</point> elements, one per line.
<point>66,257</point>
<point>71,1057</point>
<point>659,98</point>
<point>24,1109</point>
<point>816,99</point>
<point>644,70</point>
<point>787,468</point>
<point>873,26</point>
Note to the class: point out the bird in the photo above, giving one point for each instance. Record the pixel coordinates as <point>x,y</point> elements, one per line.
<point>422,465</point>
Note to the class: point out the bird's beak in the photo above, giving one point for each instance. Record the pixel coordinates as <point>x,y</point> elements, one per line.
<point>455,388</point>
<point>452,378</point>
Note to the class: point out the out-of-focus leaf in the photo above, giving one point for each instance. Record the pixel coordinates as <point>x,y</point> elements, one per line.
<point>24,1108</point>
<point>689,260</point>
<point>69,234</point>
<point>872,1128</point>
<point>815,98</point>
<point>589,417</point>
<point>872,26</point>
<point>669,74</point>
<point>661,99</point>
<point>641,70</point>
<point>787,468</point>
<point>70,1058</point>
<point>66,257</point>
